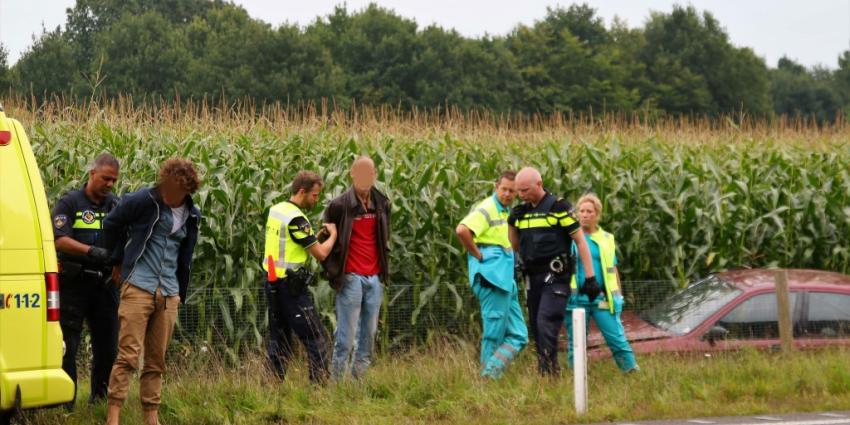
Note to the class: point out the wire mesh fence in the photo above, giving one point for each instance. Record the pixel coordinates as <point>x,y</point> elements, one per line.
<point>237,318</point>
<point>233,321</point>
<point>228,318</point>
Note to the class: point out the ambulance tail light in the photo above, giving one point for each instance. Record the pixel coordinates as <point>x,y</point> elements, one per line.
<point>5,131</point>
<point>51,280</point>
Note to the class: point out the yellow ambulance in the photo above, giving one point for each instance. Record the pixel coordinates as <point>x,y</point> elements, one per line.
<point>31,345</point>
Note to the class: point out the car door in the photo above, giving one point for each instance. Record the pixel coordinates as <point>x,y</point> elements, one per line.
<point>752,322</point>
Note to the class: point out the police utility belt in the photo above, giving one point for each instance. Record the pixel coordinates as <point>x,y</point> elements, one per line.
<point>557,266</point>
<point>84,271</point>
<point>297,281</point>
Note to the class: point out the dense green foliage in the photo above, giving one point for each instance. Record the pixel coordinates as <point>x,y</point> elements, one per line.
<point>681,62</point>
<point>680,208</point>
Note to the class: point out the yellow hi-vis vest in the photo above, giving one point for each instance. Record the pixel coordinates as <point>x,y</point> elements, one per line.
<point>607,253</point>
<point>489,223</point>
<point>286,253</point>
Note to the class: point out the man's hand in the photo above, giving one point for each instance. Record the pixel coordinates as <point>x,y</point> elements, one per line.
<point>590,288</point>
<point>321,250</point>
<point>98,255</point>
<point>323,234</point>
<point>465,236</point>
<point>477,254</point>
<point>331,228</point>
<point>116,275</point>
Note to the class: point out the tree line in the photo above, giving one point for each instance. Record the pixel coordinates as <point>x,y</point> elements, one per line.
<point>681,62</point>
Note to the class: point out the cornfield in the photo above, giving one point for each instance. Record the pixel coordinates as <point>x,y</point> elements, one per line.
<point>684,197</point>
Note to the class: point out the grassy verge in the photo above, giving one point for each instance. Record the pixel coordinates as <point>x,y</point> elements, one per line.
<point>439,384</point>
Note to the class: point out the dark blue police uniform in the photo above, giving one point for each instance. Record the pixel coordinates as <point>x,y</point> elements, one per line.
<point>86,290</point>
<point>544,249</point>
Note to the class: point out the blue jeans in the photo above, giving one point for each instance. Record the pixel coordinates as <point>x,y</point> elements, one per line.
<point>358,306</point>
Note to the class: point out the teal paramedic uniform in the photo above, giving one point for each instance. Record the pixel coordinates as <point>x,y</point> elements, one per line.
<point>606,308</point>
<point>492,279</point>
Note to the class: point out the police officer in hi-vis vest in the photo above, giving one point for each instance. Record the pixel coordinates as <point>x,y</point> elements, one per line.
<point>86,291</point>
<point>484,235</point>
<point>290,241</point>
<point>541,230</point>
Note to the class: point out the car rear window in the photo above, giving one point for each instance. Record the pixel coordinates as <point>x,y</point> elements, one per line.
<point>828,316</point>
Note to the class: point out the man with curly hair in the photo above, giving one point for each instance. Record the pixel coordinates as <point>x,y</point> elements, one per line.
<point>152,235</point>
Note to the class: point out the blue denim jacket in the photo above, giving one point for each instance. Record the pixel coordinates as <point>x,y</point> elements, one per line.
<point>157,267</point>
<point>129,226</point>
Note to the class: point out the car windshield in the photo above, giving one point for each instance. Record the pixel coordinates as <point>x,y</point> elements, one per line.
<point>685,310</point>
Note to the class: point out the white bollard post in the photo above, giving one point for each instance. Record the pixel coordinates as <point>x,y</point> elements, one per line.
<point>580,360</point>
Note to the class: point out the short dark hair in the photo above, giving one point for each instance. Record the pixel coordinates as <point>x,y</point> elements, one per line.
<point>507,174</point>
<point>306,180</point>
<point>105,159</point>
<point>181,170</point>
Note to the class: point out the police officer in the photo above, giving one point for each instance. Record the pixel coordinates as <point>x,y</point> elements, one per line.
<point>86,290</point>
<point>540,230</point>
<point>290,241</point>
<point>484,235</point>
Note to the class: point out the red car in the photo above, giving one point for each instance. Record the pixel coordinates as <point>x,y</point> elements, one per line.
<point>738,308</point>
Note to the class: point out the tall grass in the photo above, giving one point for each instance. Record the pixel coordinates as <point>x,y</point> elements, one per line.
<point>437,385</point>
<point>684,197</point>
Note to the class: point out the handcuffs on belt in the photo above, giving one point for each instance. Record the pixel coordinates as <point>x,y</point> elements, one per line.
<point>557,266</point>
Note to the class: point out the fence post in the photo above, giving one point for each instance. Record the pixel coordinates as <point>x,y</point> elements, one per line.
<point>580,360</point>
<point>783,307</point>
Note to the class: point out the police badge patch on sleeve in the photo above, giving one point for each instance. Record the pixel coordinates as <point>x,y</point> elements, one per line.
<point>306,228</point>
<point>60,220</point>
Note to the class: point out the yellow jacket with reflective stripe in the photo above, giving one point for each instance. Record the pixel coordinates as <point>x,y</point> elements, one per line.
<point>279,241</point>
<point>489,223</point>
<point>607,253</point>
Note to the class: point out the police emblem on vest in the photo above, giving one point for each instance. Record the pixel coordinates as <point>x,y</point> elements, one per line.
<point>88,216</point>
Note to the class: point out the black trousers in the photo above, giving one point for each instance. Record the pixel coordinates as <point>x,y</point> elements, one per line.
<point>296,314</point>
<point>96,303</point>
<point>546,310</point>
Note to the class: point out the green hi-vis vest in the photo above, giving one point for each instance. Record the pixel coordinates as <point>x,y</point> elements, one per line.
<point>607,253</point>
<point>89,220</point>
<point>287,254</point>
<point>489,222</point>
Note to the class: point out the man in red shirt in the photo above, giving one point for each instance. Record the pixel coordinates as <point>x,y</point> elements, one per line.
<point>357,267</point>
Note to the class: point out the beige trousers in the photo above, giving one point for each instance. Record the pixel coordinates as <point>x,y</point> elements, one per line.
<point>147,322</point>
